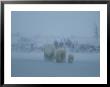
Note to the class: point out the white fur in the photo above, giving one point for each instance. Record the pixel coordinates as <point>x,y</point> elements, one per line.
<point>54,54</point>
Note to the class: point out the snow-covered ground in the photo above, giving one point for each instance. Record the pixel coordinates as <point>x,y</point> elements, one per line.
<point>38,55</point>
<point>33,64</point>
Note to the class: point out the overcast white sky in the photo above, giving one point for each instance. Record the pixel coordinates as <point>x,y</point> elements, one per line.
<point>55,24</point>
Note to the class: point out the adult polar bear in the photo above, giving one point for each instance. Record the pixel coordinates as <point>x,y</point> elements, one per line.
<point>54,54</point>
<point>49,52</point>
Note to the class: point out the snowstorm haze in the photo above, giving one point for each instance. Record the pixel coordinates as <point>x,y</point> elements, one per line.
<point>55,24</point>
<point>55,43</point>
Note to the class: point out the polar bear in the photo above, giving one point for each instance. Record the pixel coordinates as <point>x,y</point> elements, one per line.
<point>70,58</point>
<point>54,54</point>
<point>49,51</point>
<point>60,55</point>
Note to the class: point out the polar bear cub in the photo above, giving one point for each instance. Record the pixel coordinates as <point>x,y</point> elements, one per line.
<point>60,55</point>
